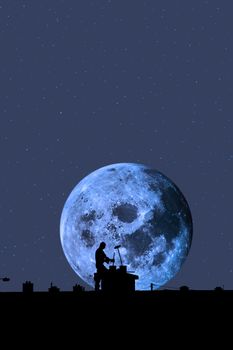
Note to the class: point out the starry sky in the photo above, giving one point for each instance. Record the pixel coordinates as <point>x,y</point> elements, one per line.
<point>89,83</point>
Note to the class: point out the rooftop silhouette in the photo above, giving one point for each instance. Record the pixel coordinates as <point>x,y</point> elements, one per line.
<point>27,287</point>
<point>53,289</point>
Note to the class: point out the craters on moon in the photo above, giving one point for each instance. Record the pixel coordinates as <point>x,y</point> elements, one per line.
<point>88,238</point>
<point>125,212</point>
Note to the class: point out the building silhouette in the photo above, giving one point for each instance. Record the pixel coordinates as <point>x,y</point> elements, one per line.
<point>77,288</point>
<point>184,289</point>
<point>28,287</point>
<point>53,289</point>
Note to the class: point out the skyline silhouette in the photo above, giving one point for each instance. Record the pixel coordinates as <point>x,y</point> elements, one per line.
<point>28,287</point>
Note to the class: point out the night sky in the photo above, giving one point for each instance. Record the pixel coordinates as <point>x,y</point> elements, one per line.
<point>86,83</point>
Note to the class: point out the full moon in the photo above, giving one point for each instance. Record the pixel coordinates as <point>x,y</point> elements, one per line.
<point>132,205</point>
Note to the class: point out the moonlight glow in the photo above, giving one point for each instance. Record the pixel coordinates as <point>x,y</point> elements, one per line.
<point>132,205</point>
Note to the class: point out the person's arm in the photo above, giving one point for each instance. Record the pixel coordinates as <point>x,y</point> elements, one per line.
<point>107,259</point>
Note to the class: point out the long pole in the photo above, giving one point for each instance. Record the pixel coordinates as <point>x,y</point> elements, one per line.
<point>119,256</point>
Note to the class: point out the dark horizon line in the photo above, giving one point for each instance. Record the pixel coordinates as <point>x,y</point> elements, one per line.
<point>56,290</point>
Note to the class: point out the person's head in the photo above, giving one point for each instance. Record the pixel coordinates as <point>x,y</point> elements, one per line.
<point>102,245</point>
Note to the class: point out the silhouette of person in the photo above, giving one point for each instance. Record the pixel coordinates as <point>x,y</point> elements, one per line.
<point>100,259</point>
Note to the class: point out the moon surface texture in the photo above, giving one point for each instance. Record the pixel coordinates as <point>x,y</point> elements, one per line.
<point>134,206</point>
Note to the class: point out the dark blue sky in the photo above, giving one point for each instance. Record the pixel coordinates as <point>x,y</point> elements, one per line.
<point>88,83</point>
